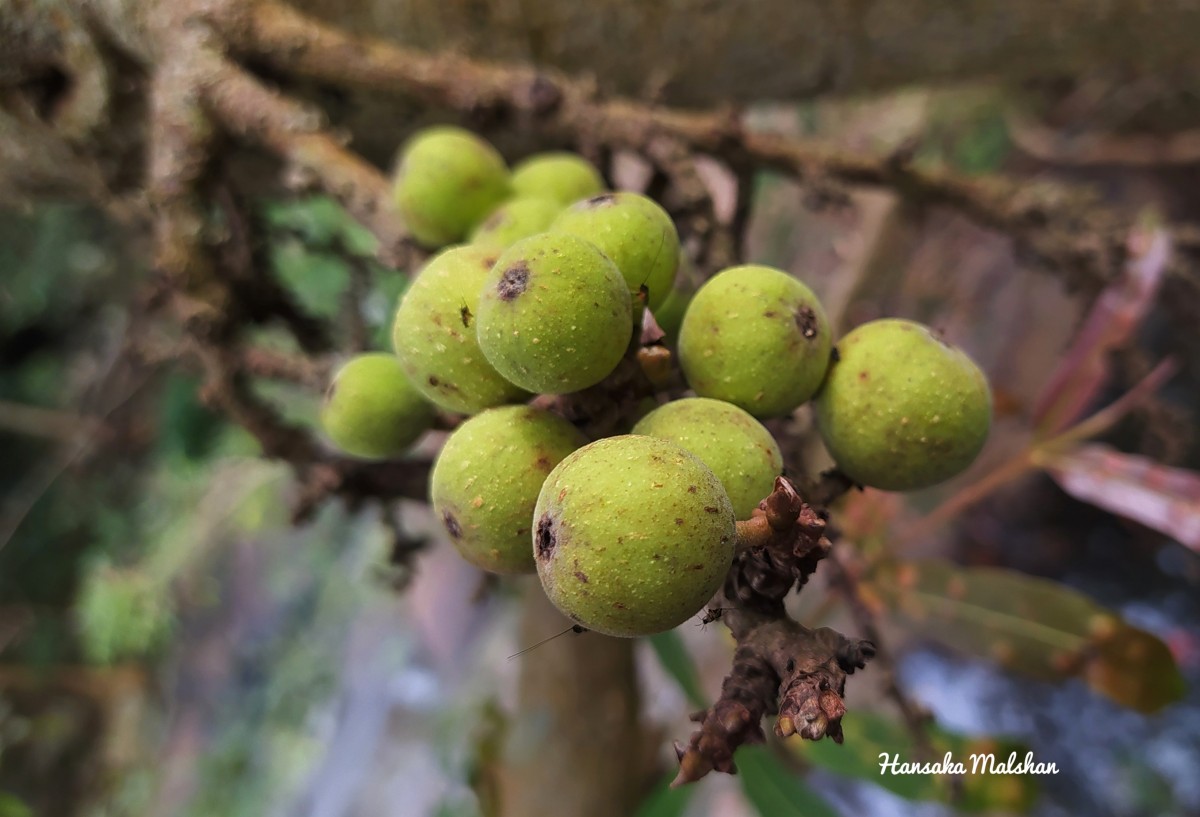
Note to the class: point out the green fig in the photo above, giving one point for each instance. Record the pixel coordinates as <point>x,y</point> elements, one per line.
<point>735,446</point>
<point>434,333</point>
<point>635,233</point>
<point>487,478</point>
<point>372,410</point>
<point>901,408</point>
<point>756,337</point>
<point>516,219</point>
<point>632,535</point>
<point>562,176</point>
<point>447,181</point>
<point>554,316</point>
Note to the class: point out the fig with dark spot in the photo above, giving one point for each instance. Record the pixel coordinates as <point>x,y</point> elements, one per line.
<point>434,334</point>
<point>901,409</point>
<point>756,337</point>
<point>554,316</point>
<point>447,181</point>
<point>487,477</point>
<point>372,409</point>
<point>636,233</point>
<point>559,175</point>
<point>608,511</point>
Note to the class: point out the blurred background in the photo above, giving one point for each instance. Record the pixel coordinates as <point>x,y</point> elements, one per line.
<point>171,644</point>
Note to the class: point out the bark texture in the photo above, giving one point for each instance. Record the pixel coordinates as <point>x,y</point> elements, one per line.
<point>704,52</point>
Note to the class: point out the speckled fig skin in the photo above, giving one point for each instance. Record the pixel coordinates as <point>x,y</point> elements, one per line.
<point>554,315</point>
<point>632,535</point>
<point>564,177</point>
<point>486,481</point>
<point>902,409</point>
<point>447,181</point>
<point>434,334</point>
<point>756,337</point>
<point>738,449</point>
<point>516,219</point>
<point>635,232</point>
<point>371,409</point>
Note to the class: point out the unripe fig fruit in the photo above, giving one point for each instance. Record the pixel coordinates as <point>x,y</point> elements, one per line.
<point>554,316</point>
<point>372,410</point>
<point>901,408</point>
<point>486,481</point>
<point>434,333</point>
<point>632,535</point>
<point>559,175</point>
<point>756,337</point>
<point>447,180</point>
<point>635,233</point>
<point>735,446</point>
<point>516,219</point>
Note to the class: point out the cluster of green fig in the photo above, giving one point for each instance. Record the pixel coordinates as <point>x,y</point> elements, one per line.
<point>538,287</point>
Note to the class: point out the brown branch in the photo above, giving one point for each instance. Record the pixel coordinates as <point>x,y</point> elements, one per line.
<point>297,134</point>
<point>1062,230</point>
<point>779,665</point>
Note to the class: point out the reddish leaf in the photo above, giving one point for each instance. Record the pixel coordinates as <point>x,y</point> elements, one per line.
<point>1033,626</point>
<point>1162,498</point>
<point>1114,317</point>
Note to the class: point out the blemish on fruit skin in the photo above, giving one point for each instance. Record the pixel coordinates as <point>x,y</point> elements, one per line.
<point>691,489</point>
<point>452,526</point>
<point>544,538</point>
<point>513,282</point>
<point>806,320</point>
<point>601,200</point>
<point>579,574</point>
<point>678,521</point>
<point>695,567</point>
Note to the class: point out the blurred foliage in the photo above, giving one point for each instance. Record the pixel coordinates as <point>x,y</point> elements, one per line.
<point>677,662</point>
<point>1034,626</point>
<point>10,806</point>
<point>317,250</point>
<point>664,801</point>
<point>774,789</point>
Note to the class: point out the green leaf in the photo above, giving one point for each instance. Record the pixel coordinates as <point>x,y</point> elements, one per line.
<point>1033,626</point>
<point>774,790</point>
<point>10,806</point>
<point>665,801</point>
<point>868,735</point>
<point>678,663</point>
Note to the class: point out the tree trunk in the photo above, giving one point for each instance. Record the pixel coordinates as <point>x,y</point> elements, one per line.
<point>575,749</point>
